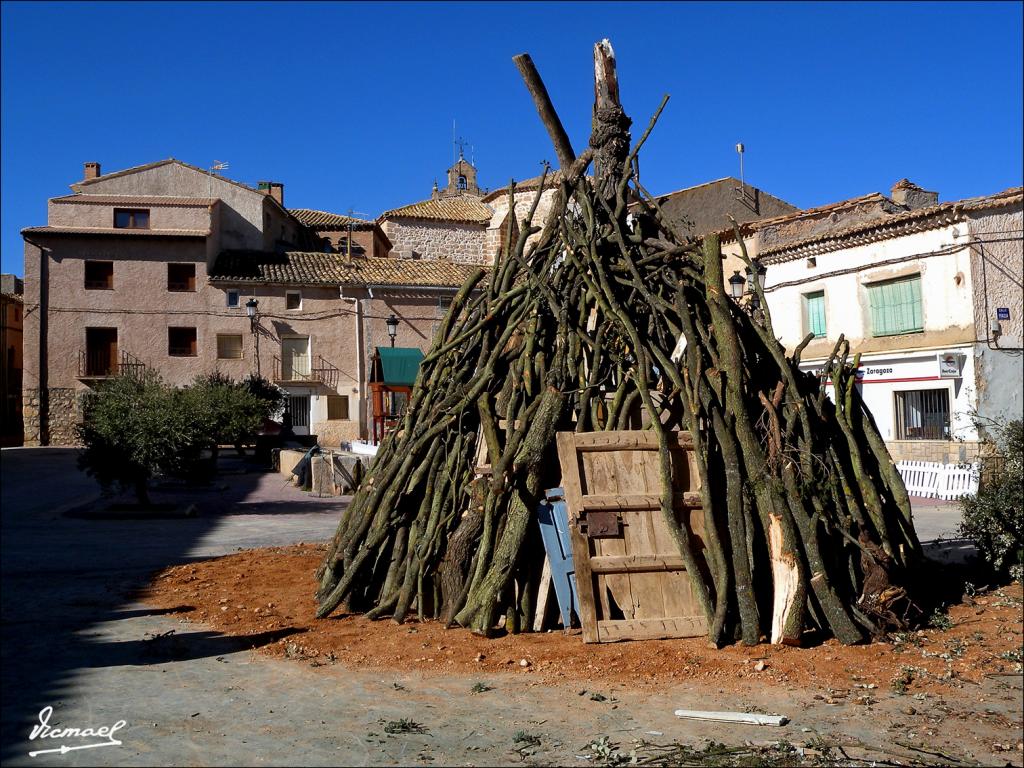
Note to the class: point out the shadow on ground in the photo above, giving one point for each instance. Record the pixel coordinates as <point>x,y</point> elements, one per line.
<point>70,569</point>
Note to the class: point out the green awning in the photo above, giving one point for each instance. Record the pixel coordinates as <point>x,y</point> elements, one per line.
<point>397,366</point>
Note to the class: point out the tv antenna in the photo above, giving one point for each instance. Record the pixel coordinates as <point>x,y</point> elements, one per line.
<point>218,165</point>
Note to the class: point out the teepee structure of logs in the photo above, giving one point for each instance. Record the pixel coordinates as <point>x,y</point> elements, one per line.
<point>600,309</point>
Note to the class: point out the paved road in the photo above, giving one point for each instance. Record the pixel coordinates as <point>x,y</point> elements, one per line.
<point>75,639</point>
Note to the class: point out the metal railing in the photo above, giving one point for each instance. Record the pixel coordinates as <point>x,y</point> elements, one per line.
<point>300,370</point>
<point>100,364</point>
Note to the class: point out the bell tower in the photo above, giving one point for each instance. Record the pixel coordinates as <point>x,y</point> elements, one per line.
<point>461,181</point>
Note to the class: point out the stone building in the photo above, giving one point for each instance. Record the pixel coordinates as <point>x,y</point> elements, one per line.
<point>928,293</point>
<point>11,320</point>
<point>449,226</point>
<point>154,266</point>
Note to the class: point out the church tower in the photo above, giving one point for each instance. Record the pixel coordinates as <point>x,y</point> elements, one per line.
<point>461,181</point>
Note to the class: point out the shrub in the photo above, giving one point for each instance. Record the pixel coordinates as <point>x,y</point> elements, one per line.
<point>272,395</point>
<point>226,412</point>
<point>994,518</point>
<point>136,428</point>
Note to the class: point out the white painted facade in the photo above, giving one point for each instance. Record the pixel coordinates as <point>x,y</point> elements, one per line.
<point>896,363</point>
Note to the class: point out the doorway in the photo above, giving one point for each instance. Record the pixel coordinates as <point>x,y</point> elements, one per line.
<point>295,358</point>
<point>101,351</point>
<point>298,407</point>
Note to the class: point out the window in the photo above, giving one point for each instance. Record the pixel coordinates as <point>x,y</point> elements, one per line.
<point>99,275</point>
<point>131,218</point>
<point>293,300</point>
<point>462,183</point>
<point>181,277</point>
<point>181,342</point>
<point>896,306</point>
<point>229,346</point>
<point>922,414</point>
<point>337,407</point>
<point>232,299</point>
<point>814,313</point>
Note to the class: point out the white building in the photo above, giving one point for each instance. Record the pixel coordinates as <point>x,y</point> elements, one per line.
<point>929,294</point>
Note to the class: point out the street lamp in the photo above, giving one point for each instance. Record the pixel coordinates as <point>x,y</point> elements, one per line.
<point>761,271</point>
<point>736,284</point>
<point>392,323</point>
<point>250,309</point>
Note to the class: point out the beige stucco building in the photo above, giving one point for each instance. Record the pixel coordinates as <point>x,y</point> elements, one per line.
<point>154,266</point>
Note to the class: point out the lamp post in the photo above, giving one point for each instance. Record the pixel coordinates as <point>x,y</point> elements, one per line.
<point>392,323</point>
<point>761,271</point>
<point>251,308</point>
<point>736,284</point>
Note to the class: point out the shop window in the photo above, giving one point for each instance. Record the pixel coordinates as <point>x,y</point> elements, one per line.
<point>181,342</point>
<point>131,218</point>
<point>896,306</point>
<point>922,414</point>
<point>337,407</point>
<point>814,313</point>
<point>99,275</point>
<point>181,277</point>
<point>229,346</point>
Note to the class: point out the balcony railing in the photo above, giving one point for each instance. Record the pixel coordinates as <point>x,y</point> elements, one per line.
<point>300,370</point>
<point>100,364</point>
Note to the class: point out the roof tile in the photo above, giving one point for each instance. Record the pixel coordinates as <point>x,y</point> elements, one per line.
<point>313,268</point>
<point>322,220</point>
<point>464,209</point>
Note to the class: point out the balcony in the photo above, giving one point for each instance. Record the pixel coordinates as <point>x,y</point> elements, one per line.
<point>99,364</point>
<point>300,371</point>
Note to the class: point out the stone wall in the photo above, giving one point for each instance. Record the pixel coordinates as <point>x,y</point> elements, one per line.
<point>56,424</point>
<point>942,451</point>
<point>496,230</point>
<point>443,241</point>
<point>30,418</point>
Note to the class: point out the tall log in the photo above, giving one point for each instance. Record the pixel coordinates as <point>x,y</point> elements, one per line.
<point>609,309</point>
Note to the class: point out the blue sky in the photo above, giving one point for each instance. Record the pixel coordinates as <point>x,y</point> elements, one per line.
<point>351,104</point>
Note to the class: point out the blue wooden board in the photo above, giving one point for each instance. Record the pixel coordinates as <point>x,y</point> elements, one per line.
<point>553,516</point>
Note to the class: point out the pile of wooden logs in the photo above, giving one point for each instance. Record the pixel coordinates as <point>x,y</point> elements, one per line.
<point>608,311</point>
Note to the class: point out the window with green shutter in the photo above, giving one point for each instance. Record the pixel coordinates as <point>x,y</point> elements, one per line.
<point>896,306</point>
<point>814,313</point>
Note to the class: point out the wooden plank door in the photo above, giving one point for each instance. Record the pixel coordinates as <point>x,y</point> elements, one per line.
<point>632,582</point>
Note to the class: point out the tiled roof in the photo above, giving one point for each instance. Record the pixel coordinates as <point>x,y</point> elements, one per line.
<point>324,221</point>
<point>313,268</point>
<point>17,298</point>
<point>890,226</point>
<point>528,185</point>
<point>151,200</point>
<point>463,209</point>
<point>115,231</point>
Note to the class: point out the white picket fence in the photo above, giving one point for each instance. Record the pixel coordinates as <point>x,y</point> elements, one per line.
<point>933,480</point>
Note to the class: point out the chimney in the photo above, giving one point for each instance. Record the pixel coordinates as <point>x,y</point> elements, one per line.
<point>92,170</point>
<point>273,188</point>
<point>910,196</point>
<point>277,192</point>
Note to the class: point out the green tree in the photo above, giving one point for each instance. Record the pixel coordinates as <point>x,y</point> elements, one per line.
<point>135,429</point>
<point>994,518</point>
<point>272,395</point>
<point>227,412</point>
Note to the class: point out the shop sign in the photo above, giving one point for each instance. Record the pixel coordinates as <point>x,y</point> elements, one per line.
<point>949,365</point>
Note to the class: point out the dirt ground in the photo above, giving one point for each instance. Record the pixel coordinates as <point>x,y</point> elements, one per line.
<point>271,589</point>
